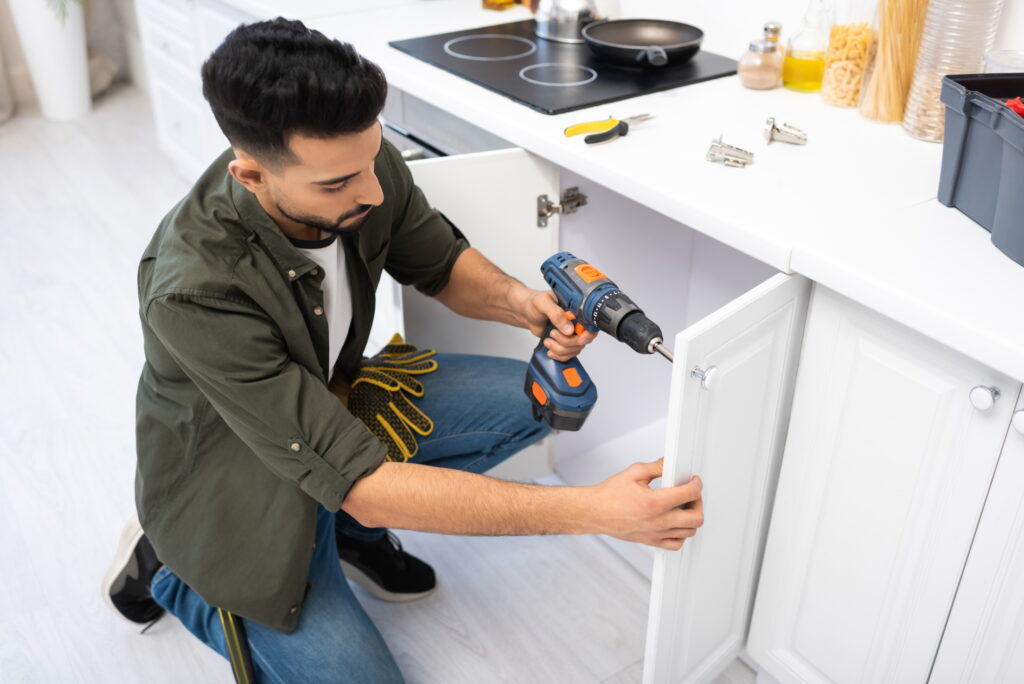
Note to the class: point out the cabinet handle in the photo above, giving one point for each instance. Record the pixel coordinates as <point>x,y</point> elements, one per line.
<point>706,377</point>
<point>983,397</point>
<point>1018,420</point>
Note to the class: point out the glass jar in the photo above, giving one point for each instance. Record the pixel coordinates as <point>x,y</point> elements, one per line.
<point>760,67</point>
<point>956,36</point>
<point>852,42</point>
<point>772,32</point>
<point>804,65</point>
<point>1004,62</point>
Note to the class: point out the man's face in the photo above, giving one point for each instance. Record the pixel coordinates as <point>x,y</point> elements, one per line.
<point>330,185</point>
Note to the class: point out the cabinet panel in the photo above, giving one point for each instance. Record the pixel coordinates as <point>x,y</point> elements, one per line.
<point>885,472</point>
<point>984,639</point>
<point>492,198</point>
<point>729,428</point>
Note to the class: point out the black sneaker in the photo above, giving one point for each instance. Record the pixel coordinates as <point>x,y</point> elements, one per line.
<point>383,569</point>
<point>125,587</point>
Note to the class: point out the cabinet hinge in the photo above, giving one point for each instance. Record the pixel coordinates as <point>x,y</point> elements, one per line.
<point>572,200</point>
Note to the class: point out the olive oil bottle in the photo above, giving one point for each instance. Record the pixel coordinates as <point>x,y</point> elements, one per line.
<point>804,65</point>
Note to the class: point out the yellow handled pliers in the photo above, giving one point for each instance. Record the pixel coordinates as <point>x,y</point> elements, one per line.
<point>606,129</point>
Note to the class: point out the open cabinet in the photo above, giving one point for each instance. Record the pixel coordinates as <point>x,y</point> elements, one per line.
<point>736,325</point>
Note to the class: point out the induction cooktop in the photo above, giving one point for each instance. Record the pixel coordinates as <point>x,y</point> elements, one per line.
<point>548,76</point>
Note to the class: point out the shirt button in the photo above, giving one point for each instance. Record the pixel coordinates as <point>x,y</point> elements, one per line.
<point>291,273</point>
<point>314,271</point>
<point>293,610</point>
<point>314,546</point>
<point>296,446</point>
<point>319,311</point>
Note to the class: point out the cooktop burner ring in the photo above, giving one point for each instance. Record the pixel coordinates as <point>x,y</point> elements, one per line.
<point>591,75</point>
<point>529,47</point>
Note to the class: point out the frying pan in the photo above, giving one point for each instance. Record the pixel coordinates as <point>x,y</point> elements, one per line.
<point>643,42</point>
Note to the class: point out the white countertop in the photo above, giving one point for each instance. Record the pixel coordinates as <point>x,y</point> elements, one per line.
<point>854,209</point>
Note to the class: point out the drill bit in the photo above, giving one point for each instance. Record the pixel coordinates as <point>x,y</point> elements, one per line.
<point>657,346</point>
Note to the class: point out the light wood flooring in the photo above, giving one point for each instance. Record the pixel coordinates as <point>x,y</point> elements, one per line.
<point>78,203</point>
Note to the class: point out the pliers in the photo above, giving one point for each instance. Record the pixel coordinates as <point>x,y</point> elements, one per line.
<point>605,130</point>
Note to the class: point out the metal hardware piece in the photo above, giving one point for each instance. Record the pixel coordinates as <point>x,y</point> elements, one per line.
<point>572,200</point>
<point>784,132</point>
<point>983,397</point>
<point>730,155</point>
<point>706,377</point>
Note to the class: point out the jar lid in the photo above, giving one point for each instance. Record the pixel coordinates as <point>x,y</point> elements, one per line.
<point>763,46</point>
<point>772,27</point>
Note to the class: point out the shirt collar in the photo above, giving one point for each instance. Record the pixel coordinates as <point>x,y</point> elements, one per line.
<point>292,262</point>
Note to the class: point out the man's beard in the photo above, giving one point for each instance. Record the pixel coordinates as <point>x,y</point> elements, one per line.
<point>333,228</point>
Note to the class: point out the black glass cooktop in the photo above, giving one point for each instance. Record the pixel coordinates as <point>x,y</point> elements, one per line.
<point>548,76</point>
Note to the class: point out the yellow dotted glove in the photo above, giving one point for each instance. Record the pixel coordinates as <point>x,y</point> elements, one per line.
<point>379,396</point>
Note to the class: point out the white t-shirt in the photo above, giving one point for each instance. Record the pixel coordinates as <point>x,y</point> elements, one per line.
<point>329,255</point>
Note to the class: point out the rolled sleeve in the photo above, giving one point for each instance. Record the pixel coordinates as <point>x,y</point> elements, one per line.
<point>289,419</point>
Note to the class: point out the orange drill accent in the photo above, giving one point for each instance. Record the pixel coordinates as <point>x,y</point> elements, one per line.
<point>588,273</point>
<point>580,329</point>
<point>538,394</point>
<point>572,377</point>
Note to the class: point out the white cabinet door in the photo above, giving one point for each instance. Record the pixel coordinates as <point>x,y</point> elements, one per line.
<point>984,639</point>
<point>492,198</point>
<point>885,472</point>
<point>730,430</point>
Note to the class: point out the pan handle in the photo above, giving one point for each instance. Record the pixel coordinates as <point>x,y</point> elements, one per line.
<point>655,55</point>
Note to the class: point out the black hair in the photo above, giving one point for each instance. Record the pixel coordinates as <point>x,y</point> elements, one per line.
<point>272,79</point>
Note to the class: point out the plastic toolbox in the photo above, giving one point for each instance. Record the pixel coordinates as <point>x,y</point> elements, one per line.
<point>983,155</point>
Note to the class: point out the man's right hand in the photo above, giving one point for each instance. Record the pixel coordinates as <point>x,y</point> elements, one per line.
<point>628,509</point>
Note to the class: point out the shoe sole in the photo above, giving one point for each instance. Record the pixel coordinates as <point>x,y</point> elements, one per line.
<point>370,587</point>
<point>130,536</point>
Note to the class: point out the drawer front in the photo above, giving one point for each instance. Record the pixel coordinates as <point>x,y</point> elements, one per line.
<point>448,133</point>
<point>169,47</point>
<point>177,106</point>
<point>173,15</point>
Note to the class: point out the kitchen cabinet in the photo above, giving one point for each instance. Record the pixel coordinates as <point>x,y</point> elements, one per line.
<point>886,469</point>
<point>177,37</point>
<point>726,422</point>
<point>984,638</point>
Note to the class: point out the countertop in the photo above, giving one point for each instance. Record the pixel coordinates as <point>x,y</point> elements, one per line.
<point>854,209</point>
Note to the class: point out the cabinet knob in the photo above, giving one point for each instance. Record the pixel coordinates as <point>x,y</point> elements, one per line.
<point>983,397</point>
<point>706,377</point>
<point>1018,420</point>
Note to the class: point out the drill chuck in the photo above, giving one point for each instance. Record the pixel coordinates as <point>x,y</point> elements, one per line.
<point>639,332</point>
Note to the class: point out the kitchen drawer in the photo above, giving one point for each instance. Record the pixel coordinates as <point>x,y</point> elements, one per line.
<point>177,114</point>
<point>171,47</point>
<point>172,15</point>
<point>444,131</point>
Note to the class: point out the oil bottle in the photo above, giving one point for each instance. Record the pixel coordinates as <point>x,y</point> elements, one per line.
<point>805,55</point>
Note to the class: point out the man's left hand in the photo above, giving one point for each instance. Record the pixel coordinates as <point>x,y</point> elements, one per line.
<point>563,343</point>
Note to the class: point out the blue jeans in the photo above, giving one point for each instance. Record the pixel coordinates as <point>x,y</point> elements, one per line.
<point>481,417</point>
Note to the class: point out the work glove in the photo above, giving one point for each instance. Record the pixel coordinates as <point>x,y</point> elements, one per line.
<point>379,396</point>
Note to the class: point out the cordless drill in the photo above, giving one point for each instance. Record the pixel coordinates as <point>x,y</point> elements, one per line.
<point>561,392</point>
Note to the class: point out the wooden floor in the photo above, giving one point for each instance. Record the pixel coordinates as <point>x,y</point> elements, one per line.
<point>78,203</point>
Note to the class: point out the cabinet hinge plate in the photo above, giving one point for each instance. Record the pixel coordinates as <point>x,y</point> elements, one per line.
<point>572,199</point>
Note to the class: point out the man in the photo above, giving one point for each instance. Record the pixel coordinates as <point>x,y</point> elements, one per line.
<point>256,485</point>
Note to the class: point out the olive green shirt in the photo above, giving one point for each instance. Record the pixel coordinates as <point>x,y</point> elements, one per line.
<point>238,437</point>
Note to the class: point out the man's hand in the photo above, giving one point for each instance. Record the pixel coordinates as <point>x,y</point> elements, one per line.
<point>540,307</point>
<point>627,508</point>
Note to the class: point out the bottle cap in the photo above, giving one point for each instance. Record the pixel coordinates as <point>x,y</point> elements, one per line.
<point>772,28</point>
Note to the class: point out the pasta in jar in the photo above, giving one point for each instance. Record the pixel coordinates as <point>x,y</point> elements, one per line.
<point>851,48</point>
